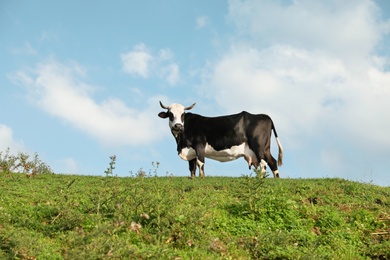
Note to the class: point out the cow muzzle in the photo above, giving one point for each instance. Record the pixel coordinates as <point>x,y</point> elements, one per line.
<point>176,129</point>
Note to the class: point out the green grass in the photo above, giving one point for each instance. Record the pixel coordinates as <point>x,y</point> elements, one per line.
<point>50,216</point>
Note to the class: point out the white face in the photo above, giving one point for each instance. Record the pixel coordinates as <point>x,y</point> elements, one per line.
<point>175,114</point>
<point>176,118</point>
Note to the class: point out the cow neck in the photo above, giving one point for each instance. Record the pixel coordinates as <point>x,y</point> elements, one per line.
<point>177,138</point>
<point>181,136</point>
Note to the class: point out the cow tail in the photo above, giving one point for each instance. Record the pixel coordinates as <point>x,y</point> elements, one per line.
<point>280,155</point>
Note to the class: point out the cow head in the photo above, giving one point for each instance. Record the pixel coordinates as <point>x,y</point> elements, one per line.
<point>175,114</point>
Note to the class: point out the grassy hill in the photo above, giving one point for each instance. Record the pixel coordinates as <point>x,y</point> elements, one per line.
<point>51,216</point>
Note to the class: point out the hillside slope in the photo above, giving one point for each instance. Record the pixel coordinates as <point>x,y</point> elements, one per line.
<point>52,216</point>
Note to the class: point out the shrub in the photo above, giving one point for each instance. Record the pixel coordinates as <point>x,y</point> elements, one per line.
<point>22,163</point>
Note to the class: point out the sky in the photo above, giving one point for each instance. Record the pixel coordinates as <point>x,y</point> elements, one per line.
<point>81,81</point>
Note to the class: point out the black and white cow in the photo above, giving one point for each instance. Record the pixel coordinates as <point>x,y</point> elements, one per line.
<point>223,138</point>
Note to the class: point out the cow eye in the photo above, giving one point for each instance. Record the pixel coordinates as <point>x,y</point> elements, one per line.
<point>170,116</point>
<point>182,117</point>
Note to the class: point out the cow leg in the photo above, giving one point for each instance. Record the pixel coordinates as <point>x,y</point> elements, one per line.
<point>200,153</point>
<point>271,163</point>
<point>259,152</point>
<point>263,166</point>
<point>265,157</point>
<point>201,167</point>
<point>192,164</point>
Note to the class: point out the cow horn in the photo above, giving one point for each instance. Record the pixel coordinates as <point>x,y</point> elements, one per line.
<point>165,107</point>
<point>188,108</point>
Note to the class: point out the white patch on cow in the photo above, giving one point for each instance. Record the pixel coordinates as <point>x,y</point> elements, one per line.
<point>200,164</point>
<point>263,164</point>
<point>230,154</point>
<point>225,155</point>
<point>280,155</point>
<point>187,154</point>
<point>278,142</point>
<point>201,169</point>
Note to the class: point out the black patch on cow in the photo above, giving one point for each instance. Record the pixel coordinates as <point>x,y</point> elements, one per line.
<point>223,132</point>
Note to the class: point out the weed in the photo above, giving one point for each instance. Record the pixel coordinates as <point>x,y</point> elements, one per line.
<point>260,172</point>
<point>141,173</point>
<point>155,168</point>
<point>111,167</point>
<point>250,193</point>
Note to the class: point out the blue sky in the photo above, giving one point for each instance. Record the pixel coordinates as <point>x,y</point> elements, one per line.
<point>81,80</point>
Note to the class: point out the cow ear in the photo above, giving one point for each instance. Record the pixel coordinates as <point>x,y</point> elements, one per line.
<point>163,114</point>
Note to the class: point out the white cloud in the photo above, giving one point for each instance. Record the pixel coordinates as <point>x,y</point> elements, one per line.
<point>201,22</point>
<point>137,61</point>
<point>314,68</point>
<point>347,28</point>
<point>141,61</point>
<point>167,69</point>
<point>7,140</point>
<point>57,89</point>
<point>67,165</point>
<point>171,73</point>
<point>165,55</point>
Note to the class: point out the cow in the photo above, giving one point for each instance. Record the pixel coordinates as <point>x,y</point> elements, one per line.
<point>222,138</point>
